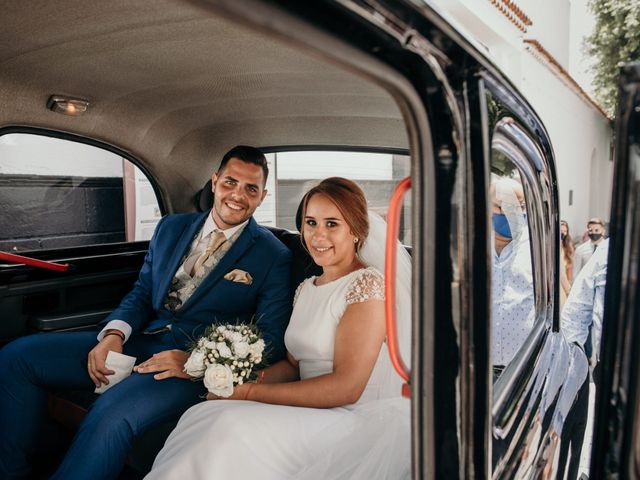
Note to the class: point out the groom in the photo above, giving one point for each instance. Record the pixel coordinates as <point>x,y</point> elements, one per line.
<point>200,268</point>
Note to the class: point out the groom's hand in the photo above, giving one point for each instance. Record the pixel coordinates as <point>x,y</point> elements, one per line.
<point>170,363</point>
<point>97,357</point>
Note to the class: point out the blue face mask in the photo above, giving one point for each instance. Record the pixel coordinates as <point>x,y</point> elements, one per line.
<point>501,225</point>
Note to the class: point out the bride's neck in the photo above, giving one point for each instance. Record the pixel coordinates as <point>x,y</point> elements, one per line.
<point>329,274</point>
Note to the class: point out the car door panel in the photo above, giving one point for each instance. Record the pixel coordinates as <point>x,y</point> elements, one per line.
<point>36,300</point>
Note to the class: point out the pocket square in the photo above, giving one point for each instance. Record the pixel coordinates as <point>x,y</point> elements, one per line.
<point>239,276</point>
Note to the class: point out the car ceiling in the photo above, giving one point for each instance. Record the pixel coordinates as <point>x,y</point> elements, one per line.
<point>176,86</point>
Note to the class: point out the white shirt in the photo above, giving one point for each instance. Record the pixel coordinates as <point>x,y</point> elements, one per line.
<point>585,305</point>
<point>513,301</point>
<point>582,255</point>
<point>197,247</point>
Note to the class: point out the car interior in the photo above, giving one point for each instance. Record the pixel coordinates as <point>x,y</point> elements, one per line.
<point>170,86</point>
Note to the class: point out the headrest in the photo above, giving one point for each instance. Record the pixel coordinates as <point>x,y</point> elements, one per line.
<point>204,198</point>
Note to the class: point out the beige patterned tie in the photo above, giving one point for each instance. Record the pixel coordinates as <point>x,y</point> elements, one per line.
<point>216,240</point>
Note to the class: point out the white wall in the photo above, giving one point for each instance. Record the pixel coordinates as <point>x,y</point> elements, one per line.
<point>580,137</point>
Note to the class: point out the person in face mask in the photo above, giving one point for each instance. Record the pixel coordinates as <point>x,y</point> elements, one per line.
<point>512,280</point>
<point>596,232</point>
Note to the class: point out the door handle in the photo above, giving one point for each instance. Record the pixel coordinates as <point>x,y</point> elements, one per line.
<point>393,226</point>
<point>13,258</point>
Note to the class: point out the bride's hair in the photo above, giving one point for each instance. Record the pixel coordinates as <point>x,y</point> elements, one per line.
<point>350,200</point>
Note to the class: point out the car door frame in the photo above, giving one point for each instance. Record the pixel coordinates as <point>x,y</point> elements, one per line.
<point>616,440</point>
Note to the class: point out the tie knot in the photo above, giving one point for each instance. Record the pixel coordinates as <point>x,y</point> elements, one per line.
<point>216,239</point>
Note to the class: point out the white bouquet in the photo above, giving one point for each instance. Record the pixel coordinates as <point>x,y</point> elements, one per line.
<point>226,356</point>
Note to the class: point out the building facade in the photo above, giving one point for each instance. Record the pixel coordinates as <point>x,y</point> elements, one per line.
<point>538,44</point>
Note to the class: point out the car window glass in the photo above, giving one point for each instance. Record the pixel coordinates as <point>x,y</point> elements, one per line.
<point>512,288</point>
<point>293,173</point>
<point>59,193</point>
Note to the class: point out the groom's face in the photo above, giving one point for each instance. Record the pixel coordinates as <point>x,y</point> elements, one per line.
<point>238,191</point>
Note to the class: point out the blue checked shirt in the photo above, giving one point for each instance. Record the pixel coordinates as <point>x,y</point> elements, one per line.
<point>513,301</point>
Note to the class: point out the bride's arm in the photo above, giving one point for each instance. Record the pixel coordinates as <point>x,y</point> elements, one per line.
<point>280,372</point>
<point>359,337</point>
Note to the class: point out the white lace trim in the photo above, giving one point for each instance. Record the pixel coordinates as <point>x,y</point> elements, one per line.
<point>367,285</point>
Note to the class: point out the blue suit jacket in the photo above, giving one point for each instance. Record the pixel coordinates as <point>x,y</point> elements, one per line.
<point>216,300</point>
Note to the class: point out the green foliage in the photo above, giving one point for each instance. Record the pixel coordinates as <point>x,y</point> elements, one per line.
<point>616,38</point>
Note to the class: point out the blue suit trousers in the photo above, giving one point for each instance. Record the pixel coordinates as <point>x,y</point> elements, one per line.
<point>32,365</point>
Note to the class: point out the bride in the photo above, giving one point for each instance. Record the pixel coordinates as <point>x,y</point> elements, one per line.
<point>332,409</point>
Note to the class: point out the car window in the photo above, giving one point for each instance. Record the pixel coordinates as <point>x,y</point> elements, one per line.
<point>294,173</point>
<point>60,193</point>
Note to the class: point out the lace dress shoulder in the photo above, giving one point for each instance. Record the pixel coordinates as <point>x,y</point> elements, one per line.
<point>368,284</point>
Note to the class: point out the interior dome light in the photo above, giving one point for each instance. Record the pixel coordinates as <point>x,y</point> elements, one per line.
<point>67,105</point>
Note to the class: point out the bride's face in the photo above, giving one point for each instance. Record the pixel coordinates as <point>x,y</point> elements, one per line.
<point>327,234</point>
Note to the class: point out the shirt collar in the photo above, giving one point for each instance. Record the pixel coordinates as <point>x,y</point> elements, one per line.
<point>210,225</point>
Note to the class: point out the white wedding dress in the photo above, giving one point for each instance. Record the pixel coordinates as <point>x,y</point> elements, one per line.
<point>245,440</point>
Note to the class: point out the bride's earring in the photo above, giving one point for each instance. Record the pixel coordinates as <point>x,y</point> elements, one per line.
<point>355,240</point>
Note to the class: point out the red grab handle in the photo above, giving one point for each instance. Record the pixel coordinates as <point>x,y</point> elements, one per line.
<point>393,226</point>
<point>10,257</point>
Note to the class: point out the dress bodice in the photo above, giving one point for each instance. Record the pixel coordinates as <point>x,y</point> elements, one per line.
<point>317,310</point>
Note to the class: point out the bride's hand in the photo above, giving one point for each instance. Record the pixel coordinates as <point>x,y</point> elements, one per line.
<point>240,392</point>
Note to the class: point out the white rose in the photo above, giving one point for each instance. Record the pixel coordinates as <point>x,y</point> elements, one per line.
<point>233,336</point>
<point>211,345</point>
<point>241,349</point>
<point>219,380</point>
<point>201,342</point>
<point>256,349</point>
<point>223,350</point>
<point>194,365</point>
<point>221,328</point>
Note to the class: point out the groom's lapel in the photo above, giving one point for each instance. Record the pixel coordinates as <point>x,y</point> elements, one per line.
<point>180,249</point>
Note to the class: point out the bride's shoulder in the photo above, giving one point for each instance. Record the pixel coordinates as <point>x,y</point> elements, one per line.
<point>300,287</point>
<point>366,284</point>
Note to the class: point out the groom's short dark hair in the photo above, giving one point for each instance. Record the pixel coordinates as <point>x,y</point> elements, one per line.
<point>246,154</point>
